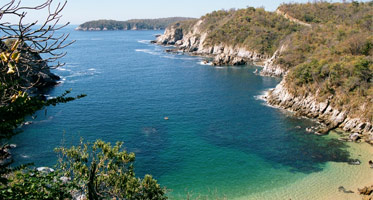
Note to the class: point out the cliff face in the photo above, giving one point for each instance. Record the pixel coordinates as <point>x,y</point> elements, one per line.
<point>323,111</point>
<point>194,41</point>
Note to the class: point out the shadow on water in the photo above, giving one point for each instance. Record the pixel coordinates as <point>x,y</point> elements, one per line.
<point>290,147</point>
<point>149,143</point>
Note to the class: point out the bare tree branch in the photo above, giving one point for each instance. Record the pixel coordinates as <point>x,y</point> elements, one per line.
<point>37,44</point>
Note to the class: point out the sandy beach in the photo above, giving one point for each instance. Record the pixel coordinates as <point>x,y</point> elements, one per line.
<point>325,184</point>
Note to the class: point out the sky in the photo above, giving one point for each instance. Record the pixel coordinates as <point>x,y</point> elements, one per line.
<point>80,11</point>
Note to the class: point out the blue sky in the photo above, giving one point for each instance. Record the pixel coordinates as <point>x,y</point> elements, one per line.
<point>79,11</point>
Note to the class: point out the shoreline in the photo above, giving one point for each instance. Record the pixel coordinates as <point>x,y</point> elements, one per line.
<point>328,183</point>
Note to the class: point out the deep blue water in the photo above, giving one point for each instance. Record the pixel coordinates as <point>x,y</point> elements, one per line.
<point>220,139</point>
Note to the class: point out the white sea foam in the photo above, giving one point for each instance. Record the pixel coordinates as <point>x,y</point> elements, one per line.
<point>62,80</point>
<point>261,96</point>
<point>82,73</point>
<point>203,63</point>
<point>61,69</point>
<point>148,51</point>
<point>169,57</point>
<point>50,97</point>
<point>144,41</point>
<point>25,156</point>
<point>178,57</point>
<point>71,65</point>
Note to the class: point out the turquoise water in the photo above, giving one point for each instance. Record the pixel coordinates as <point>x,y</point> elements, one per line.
<point>220,139</point>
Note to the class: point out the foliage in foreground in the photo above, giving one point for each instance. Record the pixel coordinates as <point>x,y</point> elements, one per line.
<point>32,184</point>
<point>99,170</point>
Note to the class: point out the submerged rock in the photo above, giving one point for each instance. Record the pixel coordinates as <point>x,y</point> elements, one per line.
<point>323,131</point>
<point>354,162</point>
<point>343,189</point>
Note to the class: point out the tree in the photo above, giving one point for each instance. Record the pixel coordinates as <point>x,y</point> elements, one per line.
<point>98,171</point>
<point>103,171</point>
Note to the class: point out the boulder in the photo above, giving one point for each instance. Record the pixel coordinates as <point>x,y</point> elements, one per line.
<point>354,137</point>
<point>366,190</point>
<point>45,169</point>
<point>65,179</point>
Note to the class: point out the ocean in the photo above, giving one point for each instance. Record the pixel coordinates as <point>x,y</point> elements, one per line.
<point>220,140</point>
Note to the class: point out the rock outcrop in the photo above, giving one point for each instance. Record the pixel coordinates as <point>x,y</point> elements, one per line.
<point>37,75</point>
<point>270,68</point>
<point>40,74</point>
<point>322,111</point>
<point>194,41</point>
<point>367,192</point>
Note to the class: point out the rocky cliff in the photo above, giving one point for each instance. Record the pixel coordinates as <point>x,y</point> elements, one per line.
<point>324,112</point>
<point>193,41</point>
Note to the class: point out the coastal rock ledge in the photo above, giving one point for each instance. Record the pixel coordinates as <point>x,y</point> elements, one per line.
<point>322,111</point>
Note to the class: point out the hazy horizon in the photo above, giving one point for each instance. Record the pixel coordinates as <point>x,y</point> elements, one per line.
<point>78,12</point>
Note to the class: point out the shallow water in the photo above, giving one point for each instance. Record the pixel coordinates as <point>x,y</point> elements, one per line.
<point>220,139</point>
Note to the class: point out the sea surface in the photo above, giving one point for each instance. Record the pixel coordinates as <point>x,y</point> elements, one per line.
<point>221,139</point>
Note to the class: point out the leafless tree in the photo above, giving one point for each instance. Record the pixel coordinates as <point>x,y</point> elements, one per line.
<point>26,45</point>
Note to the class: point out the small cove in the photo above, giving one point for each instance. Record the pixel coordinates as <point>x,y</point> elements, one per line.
<point>219,141</point>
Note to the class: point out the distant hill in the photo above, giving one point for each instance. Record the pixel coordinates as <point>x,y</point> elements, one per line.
<point>133,24</point>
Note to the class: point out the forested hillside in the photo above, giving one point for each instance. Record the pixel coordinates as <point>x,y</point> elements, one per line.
<point>334,57</point>
<point>133,24</point>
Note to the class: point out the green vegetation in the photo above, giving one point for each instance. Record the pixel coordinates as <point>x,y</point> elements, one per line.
<point>98,170</point>
<point>349,14</point>
<point>333,59</point>
<point>251,28</point>
<point>133,24</point>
